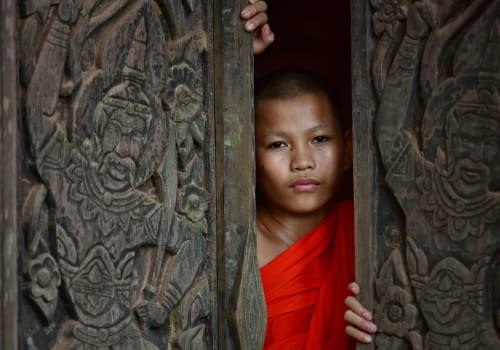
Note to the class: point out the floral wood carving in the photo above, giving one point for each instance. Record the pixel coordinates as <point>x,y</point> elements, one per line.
<point>396,313</point>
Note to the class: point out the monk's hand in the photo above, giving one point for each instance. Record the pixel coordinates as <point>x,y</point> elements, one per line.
<point>359,319</point>
<point>256,21</point>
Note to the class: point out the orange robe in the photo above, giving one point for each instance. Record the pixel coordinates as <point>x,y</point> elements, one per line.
<point>305,287</point>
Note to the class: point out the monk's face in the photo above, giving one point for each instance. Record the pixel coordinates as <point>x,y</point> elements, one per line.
<point>299,154</point>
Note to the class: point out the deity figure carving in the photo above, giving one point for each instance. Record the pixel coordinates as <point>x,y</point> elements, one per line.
<point>104,150</point>
<point>438,133</point>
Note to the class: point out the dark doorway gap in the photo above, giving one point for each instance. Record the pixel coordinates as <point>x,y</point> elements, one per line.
<point>316,36</point>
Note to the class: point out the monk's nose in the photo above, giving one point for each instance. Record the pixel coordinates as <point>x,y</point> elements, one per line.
<point>303,159</point>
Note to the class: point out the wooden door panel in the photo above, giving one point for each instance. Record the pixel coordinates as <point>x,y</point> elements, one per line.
<point>132,233</point>
<point>430,108</point>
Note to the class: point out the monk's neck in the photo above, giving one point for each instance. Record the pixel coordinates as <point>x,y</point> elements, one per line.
<point>277,231</point>
<point>286,227</point>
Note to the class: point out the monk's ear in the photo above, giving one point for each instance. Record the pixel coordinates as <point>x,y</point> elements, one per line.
<point>348,149</point>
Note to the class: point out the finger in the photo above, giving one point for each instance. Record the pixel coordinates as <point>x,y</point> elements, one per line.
<point>353,288</point>
<point>262,39</point>
<point>267,34</point>
<point>256,22</point>
<point>252,10</point>
<point>264,35</point>
<point>353,304</point>
<point>360,323</point>
<point>358,335</point>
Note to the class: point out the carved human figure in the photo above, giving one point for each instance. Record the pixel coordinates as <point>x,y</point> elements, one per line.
<point>452,201</point>
<point>104,204</point>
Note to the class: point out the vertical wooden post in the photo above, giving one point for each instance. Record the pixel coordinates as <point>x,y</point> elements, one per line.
<point>362,111</point>
<point>243,296</point>
<point>8,177</point>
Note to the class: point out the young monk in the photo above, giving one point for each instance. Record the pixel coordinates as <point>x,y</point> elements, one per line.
<point>305,243</point>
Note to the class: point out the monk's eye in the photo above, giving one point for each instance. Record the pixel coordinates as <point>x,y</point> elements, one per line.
<point>321,139</point>
<point>277,144</point>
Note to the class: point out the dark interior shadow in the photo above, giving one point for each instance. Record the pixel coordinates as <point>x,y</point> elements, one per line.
<point>316,38</point>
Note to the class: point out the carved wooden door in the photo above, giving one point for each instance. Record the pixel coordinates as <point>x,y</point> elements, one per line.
<point>127,185</point>
<point>426,103</point>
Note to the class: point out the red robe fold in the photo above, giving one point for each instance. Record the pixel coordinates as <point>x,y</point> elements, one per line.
<point>305,287</point>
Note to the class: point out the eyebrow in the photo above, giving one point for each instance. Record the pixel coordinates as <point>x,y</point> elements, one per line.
<point>320,127</point>
<point>315,128</point>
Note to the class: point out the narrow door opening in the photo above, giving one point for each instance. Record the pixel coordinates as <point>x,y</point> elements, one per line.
<point>316,38</point>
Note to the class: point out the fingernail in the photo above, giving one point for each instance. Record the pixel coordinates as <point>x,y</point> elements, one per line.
<point>245,13</point>
<point>371,328</point>
<point>250,26</point>
<point>366,315</point>
<point>368,339</point>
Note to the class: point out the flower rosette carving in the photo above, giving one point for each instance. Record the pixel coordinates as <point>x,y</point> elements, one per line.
<point>44,281</point>
<point>184,93</point>
<point>193,203</point>
<point>396,314</point>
